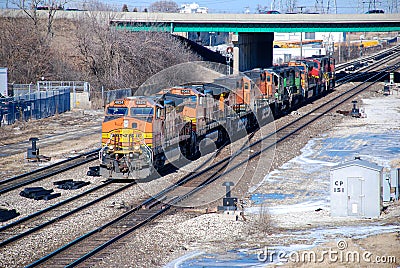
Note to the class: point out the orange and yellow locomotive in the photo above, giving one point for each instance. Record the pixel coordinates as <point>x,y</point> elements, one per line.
<point>141,134</point>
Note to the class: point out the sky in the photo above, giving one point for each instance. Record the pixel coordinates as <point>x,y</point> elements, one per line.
<point>235,6</point>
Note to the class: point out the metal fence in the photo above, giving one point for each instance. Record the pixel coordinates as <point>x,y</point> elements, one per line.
<point>75,86</point>
<point>36,105</point>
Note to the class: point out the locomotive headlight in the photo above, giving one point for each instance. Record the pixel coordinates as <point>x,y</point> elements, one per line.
<point>130,155</point>
<point>126,123</point>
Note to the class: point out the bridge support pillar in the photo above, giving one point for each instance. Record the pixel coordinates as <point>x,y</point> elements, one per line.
<point>255,50</point>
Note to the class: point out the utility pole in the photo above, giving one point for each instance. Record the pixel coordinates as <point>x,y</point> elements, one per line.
<point>211,35</point>
<point>273,5</point>
<point>301,36</point>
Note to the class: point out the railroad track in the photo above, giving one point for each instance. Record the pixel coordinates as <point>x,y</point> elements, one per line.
<point>72,254</point>
<point>48,171</point>
<point>39,220</point>
<point>358,74</point>
<point>144,212</point>
<point>24,227</point>
<point>368,59</point>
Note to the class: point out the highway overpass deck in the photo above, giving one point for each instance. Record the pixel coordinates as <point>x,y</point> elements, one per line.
<point>259,22</point>
<point>245,23</point>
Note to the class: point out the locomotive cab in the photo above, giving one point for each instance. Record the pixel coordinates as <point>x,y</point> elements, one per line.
<point>303,70</point>
<point>128,136</point>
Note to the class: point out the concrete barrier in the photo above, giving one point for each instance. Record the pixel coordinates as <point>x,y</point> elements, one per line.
<point>80,100</point>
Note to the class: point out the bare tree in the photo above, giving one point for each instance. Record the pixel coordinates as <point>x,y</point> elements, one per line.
<point>86,49</point>
<point>164,6</point>
<point>24,50</point>
<point>96,5</point>
<point>291,5</point>
<point>264,219</point>
<point>122,59</point>
<point>31,7</point>
<point>125,8</point>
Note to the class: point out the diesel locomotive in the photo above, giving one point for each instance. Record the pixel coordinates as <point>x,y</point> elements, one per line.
<point>140,134</point>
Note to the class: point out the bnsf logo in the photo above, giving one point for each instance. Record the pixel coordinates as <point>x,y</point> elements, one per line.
<point>134,135</point>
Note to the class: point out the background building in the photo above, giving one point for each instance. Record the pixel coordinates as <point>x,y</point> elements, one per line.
<point>192,8</point>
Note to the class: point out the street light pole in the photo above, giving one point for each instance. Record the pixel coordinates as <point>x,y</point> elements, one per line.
<point>301,45</point>
<point>301,36</point>
<point>211,33</point>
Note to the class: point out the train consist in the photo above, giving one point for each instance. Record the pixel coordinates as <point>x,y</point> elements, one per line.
<point>141,134</point>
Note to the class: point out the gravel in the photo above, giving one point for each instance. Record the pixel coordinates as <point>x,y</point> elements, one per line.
<point>182,232</point>
<point>170,236</point>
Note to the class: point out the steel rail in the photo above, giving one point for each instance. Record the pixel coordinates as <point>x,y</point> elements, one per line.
<point>352,76</point>
<point>41,226</point>
<point>57,218</point>
<point>87,157</point>
<point>367,58</point>
<point>123,216</point>
<point>47,167</point>
<point>65,215</point>
<point>40,212</point>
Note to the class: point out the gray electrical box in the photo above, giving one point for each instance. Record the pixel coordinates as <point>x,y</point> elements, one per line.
<point>356,190</point>
<point>391,185</point>
<point>395,184</point>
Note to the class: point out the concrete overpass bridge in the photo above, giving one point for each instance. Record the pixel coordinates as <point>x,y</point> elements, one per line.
<point>255,32</point>
<point>256,23</point>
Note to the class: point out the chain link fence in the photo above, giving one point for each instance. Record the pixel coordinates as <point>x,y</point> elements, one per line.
<point>101,99</point>
<point>36,105</point>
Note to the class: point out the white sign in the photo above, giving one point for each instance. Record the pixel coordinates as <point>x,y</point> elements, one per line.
<point>3,81</point>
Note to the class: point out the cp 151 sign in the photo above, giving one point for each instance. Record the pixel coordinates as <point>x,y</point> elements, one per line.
<point>338,187</point>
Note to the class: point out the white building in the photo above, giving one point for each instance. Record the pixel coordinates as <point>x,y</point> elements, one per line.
<point>3,81</point>
<point>192,8</point>
<point>327,37</point>
<point>356,189</point>
<point>281,55</point>
<point>309,50</point>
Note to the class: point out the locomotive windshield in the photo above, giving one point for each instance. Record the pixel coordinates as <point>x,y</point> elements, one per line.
<point>117,110</point>
<point>145,111</point>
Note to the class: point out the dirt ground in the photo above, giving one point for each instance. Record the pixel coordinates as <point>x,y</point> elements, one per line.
<point>59,136</point>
